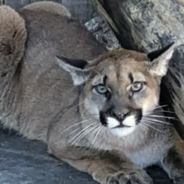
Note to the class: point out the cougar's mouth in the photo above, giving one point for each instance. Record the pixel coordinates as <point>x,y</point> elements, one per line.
<point>115,122</point>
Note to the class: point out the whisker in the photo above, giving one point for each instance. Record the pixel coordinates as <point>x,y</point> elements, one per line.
<point>158,121</point>
<point>74,131</point>
<point>91,129</point>
<point>78,134</point>
<point>145,127</point>
<point>157,107</point>
<point>97,133</point>
<point>149,126</point>
<point>167,111</point>
<point>75,125</point>
<point>78,128</point>
<point>78,138</point>
<point>158,116</point>
<point>155,123</point>
<point>160,106</point>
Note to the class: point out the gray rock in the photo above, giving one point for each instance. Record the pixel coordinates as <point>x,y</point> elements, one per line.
<point>102,33</point>
<point>24,161</point>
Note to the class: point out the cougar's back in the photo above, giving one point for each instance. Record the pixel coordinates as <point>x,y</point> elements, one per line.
<point>44,87</point>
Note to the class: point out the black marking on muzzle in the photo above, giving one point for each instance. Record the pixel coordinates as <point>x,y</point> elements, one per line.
<point>103,119</point>
<point>138,115</point>
<point>110,113</point>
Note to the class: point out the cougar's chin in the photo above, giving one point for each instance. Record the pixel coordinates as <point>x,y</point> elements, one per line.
<point>122,132</point>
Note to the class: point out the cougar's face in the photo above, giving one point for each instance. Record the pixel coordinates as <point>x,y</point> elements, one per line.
<point>120,88</point>
<point>120,94</point>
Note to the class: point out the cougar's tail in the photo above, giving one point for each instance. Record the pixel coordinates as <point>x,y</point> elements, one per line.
<point>13,36</point>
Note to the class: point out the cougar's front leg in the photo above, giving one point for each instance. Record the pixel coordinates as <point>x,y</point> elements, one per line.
<point>105,167</point>
<point>173,162</point>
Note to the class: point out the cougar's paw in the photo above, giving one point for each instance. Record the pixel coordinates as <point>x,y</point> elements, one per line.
<point>140,177</point>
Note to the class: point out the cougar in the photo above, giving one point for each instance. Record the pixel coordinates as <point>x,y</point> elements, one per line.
<point>96,110</point>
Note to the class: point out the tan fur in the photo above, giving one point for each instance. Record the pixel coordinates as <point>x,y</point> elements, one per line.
<point>39,100</point>
<point>50,7</point>
<point>13,34</point>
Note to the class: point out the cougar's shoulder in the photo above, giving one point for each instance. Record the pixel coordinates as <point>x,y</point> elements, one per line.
<point>42,85</point>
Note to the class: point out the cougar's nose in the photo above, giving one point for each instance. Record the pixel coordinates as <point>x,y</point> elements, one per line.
<point>120,116</point>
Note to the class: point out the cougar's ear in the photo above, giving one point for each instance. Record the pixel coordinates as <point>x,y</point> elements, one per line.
<point>160,61</point>
<point>76,68</point>
<point>155,54</point>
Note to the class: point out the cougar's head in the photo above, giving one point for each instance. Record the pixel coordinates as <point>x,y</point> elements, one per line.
<point>120,87</point>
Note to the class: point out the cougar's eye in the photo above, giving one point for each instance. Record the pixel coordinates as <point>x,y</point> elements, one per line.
<point>137,86</point>
<point>101,89</point>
